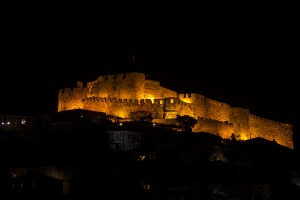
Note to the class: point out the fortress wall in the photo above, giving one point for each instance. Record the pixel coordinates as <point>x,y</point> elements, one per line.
<point>152,82</point>
<point>117,107</point>
<point>95,91</point>
<point>134,86</point>
<point>121,94</point>
<point>271,130</point>
<point>191,97</point>
<point>60,104</point>
<point>154,91</point>
<point>89,87</point>
<point>96,104</point>
<point>120,86</point>
<point>217,110</point>
<point>171,106</point>
<point>69,99</point>
<point>174,106</point>
<point>158,107</point>
<point>224,129</point>
<point>198,104</point>
<point>79,84</point>
<point>165,121</point>
<point>240,121</point>
<point>184,108</point>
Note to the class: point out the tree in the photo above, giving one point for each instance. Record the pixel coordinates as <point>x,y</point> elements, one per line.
<point>186,122</point>
<point>141,115</point>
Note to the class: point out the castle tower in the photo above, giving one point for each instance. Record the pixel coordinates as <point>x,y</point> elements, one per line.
<point>121,94</point>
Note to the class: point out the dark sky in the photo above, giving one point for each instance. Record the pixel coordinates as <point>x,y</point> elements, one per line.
<point>243,61</point>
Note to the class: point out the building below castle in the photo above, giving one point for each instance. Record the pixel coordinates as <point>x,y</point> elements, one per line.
<point>120,94</point>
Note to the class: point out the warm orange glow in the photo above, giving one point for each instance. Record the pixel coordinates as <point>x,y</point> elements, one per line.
<point>121,114</point>
<point>151,97</point>
<point>212,115</point>
<point>186,100</point>
<point>243,137</point>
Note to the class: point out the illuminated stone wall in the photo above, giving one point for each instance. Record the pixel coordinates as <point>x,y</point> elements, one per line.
<point>208,108</point>
<point>216,127</point>
<point>71,98</point>
<point>121,94</point>
<point>240,121</point>
<point>154,91</point>
<point>117,107</point>
<point>282,133</point>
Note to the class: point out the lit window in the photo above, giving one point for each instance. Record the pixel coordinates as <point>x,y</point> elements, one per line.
<point>23,121</point>
<point>172,100</point>
<point>146,187</point>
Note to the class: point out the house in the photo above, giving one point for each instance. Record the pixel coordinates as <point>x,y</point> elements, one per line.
<point>121,140</point>
<point>59,172</point>
<point>18,125</point>
<point>266,170</point>
<point>36,185</point>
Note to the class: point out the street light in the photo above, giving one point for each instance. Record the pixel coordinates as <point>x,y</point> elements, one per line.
<point>123,136</point>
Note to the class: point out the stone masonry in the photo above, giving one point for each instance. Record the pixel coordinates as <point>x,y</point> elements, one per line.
<point>120,94</point>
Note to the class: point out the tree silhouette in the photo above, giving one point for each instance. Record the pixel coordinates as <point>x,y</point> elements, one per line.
<point>186,122</point>
<point>141,116</point>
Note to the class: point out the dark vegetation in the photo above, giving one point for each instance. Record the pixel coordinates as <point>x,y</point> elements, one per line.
<point>182,159</point>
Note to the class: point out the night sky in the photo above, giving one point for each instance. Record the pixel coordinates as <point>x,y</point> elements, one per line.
<point>242,62</point>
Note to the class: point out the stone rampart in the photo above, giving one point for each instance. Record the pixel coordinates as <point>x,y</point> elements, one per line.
<point>271,130</point>
<point>121,94</point>
<point>216,127</point>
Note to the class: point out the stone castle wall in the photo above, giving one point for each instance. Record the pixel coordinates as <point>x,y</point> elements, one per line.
<point>216,127</point>
<point>121,94</point>
<point>282,133</point>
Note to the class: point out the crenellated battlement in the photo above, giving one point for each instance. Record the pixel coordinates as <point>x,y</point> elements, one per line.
<point>264,120</point>
<point>70,90</point>
<point>192,97</point>
<point>213,121</point>
<point>114,100</point>
<point>121,94</point>
<point>217,103</point>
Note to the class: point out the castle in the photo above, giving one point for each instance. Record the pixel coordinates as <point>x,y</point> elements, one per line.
<point>120,94</point>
